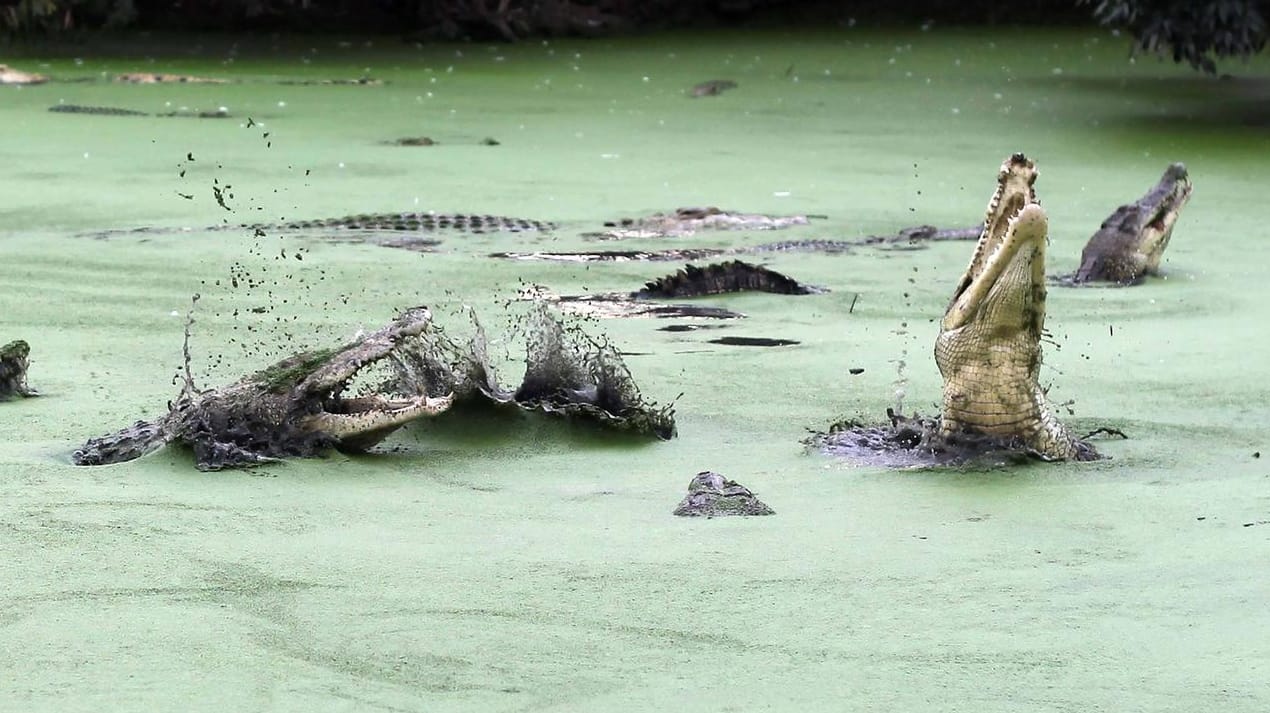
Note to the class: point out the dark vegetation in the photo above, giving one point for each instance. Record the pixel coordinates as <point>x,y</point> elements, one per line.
<point>1198,32</point>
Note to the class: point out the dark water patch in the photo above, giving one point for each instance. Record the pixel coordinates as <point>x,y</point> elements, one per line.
<point>915,442</point>
<point>753,342</point>
<point>688,327</point>
<point>1188,104</point>
<point>412,141</point>
<point>711,88</point>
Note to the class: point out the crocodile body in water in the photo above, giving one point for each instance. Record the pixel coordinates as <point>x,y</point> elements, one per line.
<point>418,222</point>
<point>14,360</point>
<point>218,113</point>
<point>688,221</point>
<point>1130,243</point>
<point>296,407</point>
<point>712,495</point>
<point>692,281</point>
<point>410,369</point>
<point>989,344</point>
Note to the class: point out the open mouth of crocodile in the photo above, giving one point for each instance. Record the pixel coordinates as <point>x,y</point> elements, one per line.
<point>1167,204</point>
<point>1010,253</point>
<point>363,416</point>
<point>359,394</point>
<point>363,408</point>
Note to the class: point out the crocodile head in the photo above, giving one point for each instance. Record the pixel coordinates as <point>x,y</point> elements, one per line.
<point>1131,241</point>
<point>989,344</point>
<point>312,389</point>
<point>296,407</point>
<point>14,360</point>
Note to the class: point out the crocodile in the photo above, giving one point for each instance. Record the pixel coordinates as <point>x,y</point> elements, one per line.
<point>296,407</point>
<point>906,239</point>
<point>723,278</point>
<point>418,222</point>
<point>9,75</point>
<point>217,113</point>
<point>1129,244</point>
<point>687,221</point>
<point>14,360</point>
<point>161,78</point>
<point>989,344</point>
<point>712,495</point>
<point>409,369</point>
<point>692,281</point>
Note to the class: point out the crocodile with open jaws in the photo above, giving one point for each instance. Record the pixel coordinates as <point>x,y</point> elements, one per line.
<point>1130,243</point>
<point>989,344</point>
<point>14,360</point>
<point>407,370</point>
<point>296,407</point>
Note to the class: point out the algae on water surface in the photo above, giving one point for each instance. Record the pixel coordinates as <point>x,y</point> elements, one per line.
<point>486,569</point>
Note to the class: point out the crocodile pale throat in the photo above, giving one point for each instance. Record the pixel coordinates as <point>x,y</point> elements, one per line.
<point>297,407</point>
<point>989,344</point>
<point>1131,241</point>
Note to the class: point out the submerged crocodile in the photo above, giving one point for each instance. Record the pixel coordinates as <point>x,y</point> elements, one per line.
<point>305,403</point>
<point>711,88</point>
<point>1130,243</point>
<point>422,222</point>
<point>712,495</point>
<point>14,360</point>
<point>909,238</point>
<point>161,78</point>
<point>687,221</point>
<point>692,281</point>
<point>218,113</point>
<point>989,344</point>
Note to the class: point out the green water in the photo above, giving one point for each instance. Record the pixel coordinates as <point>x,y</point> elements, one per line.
<point>529,565</point>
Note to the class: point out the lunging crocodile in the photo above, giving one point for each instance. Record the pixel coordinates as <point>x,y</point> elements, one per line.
<point>297,407</point>
<point>1130,243</point>
<point>410,369</point>
<point>14,360</point>
<point>989,344</point>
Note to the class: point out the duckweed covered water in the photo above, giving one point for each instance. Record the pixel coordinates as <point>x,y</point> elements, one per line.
<point>481,567</point>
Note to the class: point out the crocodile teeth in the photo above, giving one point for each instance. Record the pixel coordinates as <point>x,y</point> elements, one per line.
<point>375,414</point>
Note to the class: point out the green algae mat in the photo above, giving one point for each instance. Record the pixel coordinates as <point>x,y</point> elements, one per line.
<point>511,564</point>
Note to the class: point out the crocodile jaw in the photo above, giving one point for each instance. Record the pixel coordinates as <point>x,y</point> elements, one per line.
<point>989,345</point>
<point>1006,284</point>
<point>1161,209</point>
<point>1130,243</point>
<point>370,419</point>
